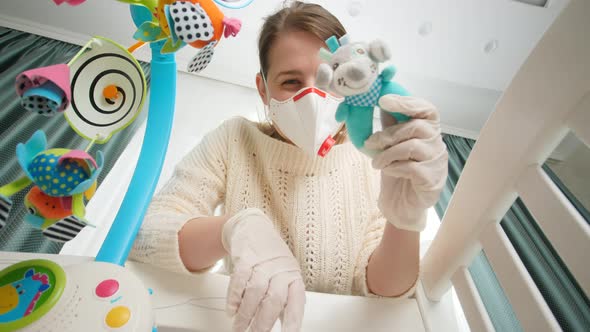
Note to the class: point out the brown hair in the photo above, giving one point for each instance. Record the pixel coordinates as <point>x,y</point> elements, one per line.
<point>298,16</point>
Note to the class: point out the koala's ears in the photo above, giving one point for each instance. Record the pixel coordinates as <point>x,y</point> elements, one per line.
<point>379,51</point>
<point>324,76</point>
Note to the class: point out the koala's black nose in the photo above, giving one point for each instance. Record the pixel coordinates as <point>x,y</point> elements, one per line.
<point>356,74</point>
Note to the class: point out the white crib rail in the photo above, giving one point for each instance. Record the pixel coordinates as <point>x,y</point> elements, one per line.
<point>471,303</point>
<point>526,300</point>
<point>565,228</point>
<point>548,96</point>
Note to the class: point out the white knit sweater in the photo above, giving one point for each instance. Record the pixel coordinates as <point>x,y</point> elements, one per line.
<point>324,208</point>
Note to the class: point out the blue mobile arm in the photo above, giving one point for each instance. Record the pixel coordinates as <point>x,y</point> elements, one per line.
<point>121,236</point>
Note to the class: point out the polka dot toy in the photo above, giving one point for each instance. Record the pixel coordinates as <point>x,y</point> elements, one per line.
<point>58,177</point>
<point>197,23</point>
<point>202,59</point>
<point>44,90</point>
<point>64,181</point>
<point>189,22</point>
<point>40,105</point>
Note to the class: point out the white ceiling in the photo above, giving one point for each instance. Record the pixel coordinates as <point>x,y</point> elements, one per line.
<point>438,46</point>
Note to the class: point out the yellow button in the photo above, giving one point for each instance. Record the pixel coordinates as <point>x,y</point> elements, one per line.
<point>118,316</point>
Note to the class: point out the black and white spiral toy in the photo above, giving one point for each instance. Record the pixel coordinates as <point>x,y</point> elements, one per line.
<point>108,89</point>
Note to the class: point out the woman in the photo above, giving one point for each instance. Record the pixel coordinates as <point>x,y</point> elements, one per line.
<point>292,222</point>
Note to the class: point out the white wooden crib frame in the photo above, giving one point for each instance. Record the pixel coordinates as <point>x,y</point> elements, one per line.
<point>548,97</point>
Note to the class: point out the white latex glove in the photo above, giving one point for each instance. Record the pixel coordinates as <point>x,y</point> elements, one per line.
<point>266,282</point>
<point>413,164</point>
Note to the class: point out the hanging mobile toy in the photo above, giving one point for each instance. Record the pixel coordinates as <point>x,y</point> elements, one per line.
<point>45,90</point>
<point>198,23</point>
<point>100,91</point>
<point>108,89</point>
<point>63,180</point>
<point>351,70</point>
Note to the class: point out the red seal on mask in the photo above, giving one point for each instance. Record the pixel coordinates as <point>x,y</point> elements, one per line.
<point>326,146</point>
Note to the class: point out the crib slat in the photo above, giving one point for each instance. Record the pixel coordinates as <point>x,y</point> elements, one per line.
<point>473,307</point>
<point>565,228</point>
<point>529,121</point>
<point>579,121</point>
<point>529,306</point>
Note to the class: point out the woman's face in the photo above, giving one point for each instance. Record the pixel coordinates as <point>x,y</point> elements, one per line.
<point>293,62</point>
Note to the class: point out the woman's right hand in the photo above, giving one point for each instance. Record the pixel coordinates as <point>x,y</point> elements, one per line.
<point>266,282</point>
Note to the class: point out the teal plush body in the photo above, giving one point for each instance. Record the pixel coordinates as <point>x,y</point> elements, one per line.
<point>357,110</point>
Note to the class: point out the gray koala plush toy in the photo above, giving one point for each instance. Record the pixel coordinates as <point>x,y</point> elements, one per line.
<point>352,70</point>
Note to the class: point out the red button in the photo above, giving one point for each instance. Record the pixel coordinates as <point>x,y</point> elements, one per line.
<point>326,146</point>
<point>107,288</point>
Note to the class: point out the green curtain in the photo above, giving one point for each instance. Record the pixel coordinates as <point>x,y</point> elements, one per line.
<point>20,51</point>
<point>558,286</point>
<point>459,149</point>
<point>560,290</point>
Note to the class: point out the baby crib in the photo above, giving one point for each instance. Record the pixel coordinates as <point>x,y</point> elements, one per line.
<point>548,97</point>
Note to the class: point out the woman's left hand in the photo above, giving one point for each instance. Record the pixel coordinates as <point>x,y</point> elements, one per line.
<point>413,163</point>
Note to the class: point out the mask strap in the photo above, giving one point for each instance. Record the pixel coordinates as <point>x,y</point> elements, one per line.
<point>265,88</point>
<point>267,105</point>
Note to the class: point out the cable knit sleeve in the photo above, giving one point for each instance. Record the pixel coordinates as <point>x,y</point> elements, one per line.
<point>371,239</point>
<point>195,189</point>
<point>371,233</point>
